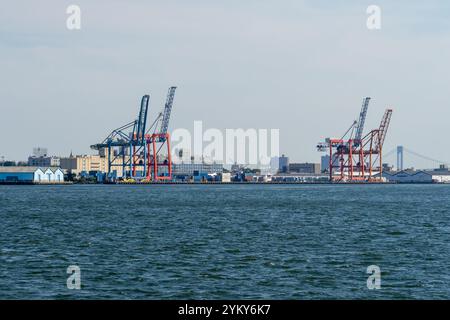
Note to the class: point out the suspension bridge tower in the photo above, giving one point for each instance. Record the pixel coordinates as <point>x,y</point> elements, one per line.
<point>399,158</point>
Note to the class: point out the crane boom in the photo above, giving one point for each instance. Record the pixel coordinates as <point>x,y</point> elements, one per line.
<point>361,120</point>
<point>139,127</point>
<point>384,126</point>
<point>167,110</point>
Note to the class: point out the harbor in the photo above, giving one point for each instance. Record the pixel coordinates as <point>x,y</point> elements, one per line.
<point>224,159</point>
<point>136,153</point>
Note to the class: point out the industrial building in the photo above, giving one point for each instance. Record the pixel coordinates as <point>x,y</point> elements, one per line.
<point>283,164</point>
<point>90,164</point>
<point>190,169</point>
<point>86,163</point>
<point>51,175</point>
<point>31,175</point>
<point>325,163</point>
<point>306,168</point>
<point>20,174</point>
<point>421,176</point>
<point>300,178</point>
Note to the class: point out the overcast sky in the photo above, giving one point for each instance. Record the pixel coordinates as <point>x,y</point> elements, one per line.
<point>300,66</point>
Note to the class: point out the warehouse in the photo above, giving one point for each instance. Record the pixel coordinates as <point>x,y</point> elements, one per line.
<point>31,175</point>
<point>307,168</point>
<point>53,175</point>
<point>191,169</point>
<point>20,174</point>
<point>409,176</point>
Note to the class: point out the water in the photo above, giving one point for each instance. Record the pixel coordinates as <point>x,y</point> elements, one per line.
<point>225,241</point>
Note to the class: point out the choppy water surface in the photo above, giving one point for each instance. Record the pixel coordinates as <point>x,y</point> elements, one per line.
<point>225,241</point>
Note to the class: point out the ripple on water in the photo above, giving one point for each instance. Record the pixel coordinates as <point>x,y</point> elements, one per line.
<point>225,242</point>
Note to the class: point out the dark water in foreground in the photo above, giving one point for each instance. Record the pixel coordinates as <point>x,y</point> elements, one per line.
<point>225,242</point>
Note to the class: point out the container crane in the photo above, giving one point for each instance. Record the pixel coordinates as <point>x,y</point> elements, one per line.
<point>161,138</point>
<point>121,139</point>
<point>134,149</point>
<point>355,157</point>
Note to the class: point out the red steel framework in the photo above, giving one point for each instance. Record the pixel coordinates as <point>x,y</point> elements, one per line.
<point>150,158</point>
<point>359,160</point>
<point>154,140</point>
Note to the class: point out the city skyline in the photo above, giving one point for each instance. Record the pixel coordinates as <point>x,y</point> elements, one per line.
<point>299,66</point>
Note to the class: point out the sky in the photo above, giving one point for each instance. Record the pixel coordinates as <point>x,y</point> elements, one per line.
<point>302,67</point>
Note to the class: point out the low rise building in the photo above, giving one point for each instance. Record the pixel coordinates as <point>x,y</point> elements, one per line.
<point>87,163</point>
<point>192,169</point>
<point>40,158</point>
<point>283,164</point>
<point>51,175</point>
<point>300,178</point>
<point>307,168</point>
<point>43,161</point>
<point>410,176</point>
<point>31,174</point>
<point>20,174</point>
<point>325,163</point>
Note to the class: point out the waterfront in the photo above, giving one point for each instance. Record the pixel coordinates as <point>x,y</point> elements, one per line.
<point>225,241</point>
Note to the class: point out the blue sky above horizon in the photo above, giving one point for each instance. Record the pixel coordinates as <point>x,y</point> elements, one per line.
<point>300,66</point>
